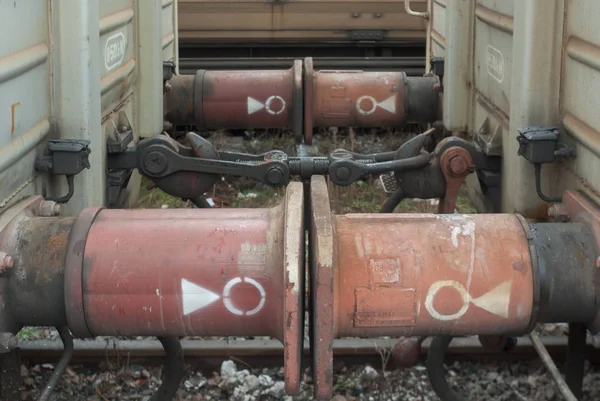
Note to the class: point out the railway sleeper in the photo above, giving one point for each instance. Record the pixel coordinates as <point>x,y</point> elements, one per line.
<point>240,272</point>
<point>301,99</point>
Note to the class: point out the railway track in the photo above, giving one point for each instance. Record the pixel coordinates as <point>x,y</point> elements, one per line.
<point>208,354</point>
<point>115,368</point>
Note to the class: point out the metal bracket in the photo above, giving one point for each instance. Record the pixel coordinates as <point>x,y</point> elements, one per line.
<point>117,179</point>
<point>168,70</point>
<point>540,145</point>
<point>437,68</point>
<point>66,157</point>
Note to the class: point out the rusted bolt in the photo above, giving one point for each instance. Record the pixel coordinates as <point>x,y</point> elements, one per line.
<point>48,209</point>
<point>458,165</point>
<point>559,212</point>
<point>6,262</point>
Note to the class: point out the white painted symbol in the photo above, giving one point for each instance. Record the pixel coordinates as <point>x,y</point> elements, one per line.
<point>388,105</point>
<point>256,105</point>
<point>495,63</point>
<point>270,101</point>
<point>195,297</point>
<point>361,100</point>
<point>114,51</point>
<point>495,301</point>
<point>229,304</point>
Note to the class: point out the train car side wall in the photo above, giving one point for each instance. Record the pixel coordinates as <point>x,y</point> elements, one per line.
<point>516,64</point>
<point>298,21</point>
<point>79,70</point>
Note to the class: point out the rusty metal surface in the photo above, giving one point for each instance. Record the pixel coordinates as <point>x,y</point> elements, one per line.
<point>583,210</point>
<point>324,309</point>
<point>248,99</point>
<point>293,262</point>
<point>456,164</point>
<point>358,98</point>
<point>431,274</point>
<point>308,100</point>
<point>9,238</point>
<point>178,102</point>
<point>568,289</point>
<point>298,117</point>
<point>74,272</point>
<point>185,272</point>
<point>300,98</point>
<point>36,283</point>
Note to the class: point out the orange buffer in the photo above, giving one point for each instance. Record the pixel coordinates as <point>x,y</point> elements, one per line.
<point>194,272</point>
<point>300,99</point>
<point>239,272</point>
<point>425,274</point>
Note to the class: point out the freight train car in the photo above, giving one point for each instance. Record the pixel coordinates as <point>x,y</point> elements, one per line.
<point>84,87</point>
<point>337,33</point>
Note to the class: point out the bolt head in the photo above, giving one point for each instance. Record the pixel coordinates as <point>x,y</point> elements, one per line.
<point>155,162</point>
<point>274,176</point>
<point>49,209</point>
<point>598,262</point>
<point>458,165</point>
<point>559,212</point>
<point>343,174</point>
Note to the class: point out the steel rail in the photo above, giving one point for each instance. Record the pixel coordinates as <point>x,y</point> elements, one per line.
<point>270,352</point>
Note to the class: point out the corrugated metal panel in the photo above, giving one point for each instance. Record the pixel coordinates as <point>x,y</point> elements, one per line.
<point>493,52</point>
<point>510,65</point>
<point>169,33</point>
<point>580,102</point>
<point>73,70</point>
<point>301,20</point>
<point>438,28</point>
<point>25,93</point>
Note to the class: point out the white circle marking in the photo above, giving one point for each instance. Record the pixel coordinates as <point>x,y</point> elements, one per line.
<point>268,105</point>
<point>229,304</point>
<point>366,112</point>
<point>433,290</point>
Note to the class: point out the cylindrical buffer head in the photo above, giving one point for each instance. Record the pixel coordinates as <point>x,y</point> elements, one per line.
<point>423,274</point>
<point>234,99</point>
<point>194,272</point>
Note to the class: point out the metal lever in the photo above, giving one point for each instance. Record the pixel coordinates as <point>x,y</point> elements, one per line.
<point>189,171</point>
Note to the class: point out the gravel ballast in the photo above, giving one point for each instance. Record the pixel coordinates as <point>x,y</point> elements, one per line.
<point>237,382</point>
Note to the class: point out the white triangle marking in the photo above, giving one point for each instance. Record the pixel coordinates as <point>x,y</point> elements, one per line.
<point>389,104</point>
<point>497,300</point>
<point>254,105</point>
<point>195,297</point>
